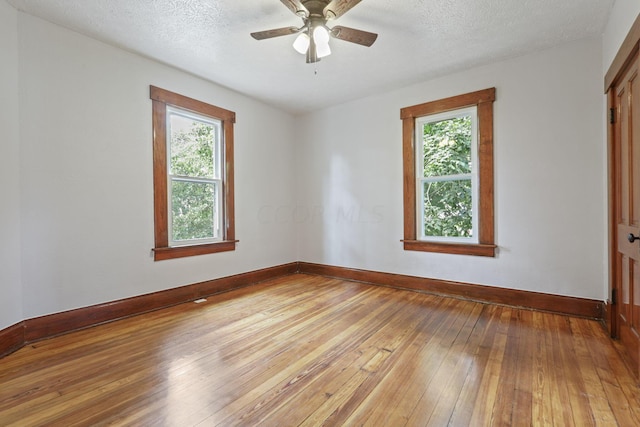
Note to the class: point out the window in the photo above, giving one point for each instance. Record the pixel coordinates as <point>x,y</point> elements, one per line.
<point>193,176</point>
<point>448,175</point>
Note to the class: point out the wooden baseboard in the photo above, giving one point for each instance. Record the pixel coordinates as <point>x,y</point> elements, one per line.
<point>59,323</point>
<point>30,330</point>
<point>11,338</point>
<point>579,307</point>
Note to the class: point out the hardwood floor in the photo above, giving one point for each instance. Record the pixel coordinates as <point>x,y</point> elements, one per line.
<point>307,350</point>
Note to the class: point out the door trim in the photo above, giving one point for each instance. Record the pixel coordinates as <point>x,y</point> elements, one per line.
<point>611,314</point>
<point>628,48</point>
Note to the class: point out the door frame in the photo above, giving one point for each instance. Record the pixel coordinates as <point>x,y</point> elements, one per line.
<point>626,53</point>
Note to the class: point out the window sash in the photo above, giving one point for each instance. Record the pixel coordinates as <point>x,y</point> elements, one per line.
<point>218,142</point>
<point>216,181</point>
<point>217,212</point>
<point>420,122</point>
<point>421,211</point>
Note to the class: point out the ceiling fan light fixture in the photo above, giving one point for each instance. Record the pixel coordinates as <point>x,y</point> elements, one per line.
<point>301,44</point>
<point>323,49</point>
<point>321,38</point>
<point>321,34</point>
<point>313,37</point>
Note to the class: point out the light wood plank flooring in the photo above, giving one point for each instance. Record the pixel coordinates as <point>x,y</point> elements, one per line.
<point>307,350</point>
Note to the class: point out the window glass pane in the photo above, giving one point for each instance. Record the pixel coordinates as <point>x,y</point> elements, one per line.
<point>447,147</point>
<point>193,206</point>
<point>448,208</point>
<point>192,146</point>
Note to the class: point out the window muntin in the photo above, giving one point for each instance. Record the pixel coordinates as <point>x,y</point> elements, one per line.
<point>447,176</point>
<point>195,180</point>
<point>174,183</point>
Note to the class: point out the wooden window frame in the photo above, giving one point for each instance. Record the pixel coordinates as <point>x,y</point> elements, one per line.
<point>162,98</point>
<point>483,101</point>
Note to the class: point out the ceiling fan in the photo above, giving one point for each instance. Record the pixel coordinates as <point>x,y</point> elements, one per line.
<point>314,35</point>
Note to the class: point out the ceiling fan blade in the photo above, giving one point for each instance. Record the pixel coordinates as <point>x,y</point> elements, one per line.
<point>296,7</point>
<point>352,35</point>
<point>337,8</point>
<point>261,35</point>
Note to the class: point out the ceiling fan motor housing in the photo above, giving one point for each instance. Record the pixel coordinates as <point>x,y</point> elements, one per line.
<point>316,8</point>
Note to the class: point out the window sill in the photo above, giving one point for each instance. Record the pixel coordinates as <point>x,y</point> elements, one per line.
<point>160,254</point>
<point>477,249</point>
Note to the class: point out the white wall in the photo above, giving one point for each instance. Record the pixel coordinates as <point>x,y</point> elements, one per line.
<point>10,281</point>
<point>86,171</point>
<point>622,16</point>
<point>549,178</point>
<point>77,213</point>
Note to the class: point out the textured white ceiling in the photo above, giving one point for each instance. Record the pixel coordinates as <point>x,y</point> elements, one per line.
<point>418,40</point>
